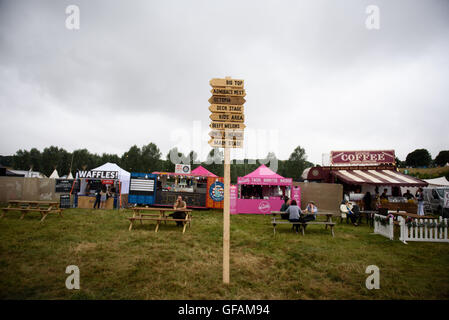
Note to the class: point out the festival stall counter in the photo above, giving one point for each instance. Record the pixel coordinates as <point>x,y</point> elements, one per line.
<point>108,177</point>
<point>197,188</point>
<point>261,192</point>
<point>367,171</point>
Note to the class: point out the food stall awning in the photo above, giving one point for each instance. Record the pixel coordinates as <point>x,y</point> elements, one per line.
<point>264,176</point>
<point>378,177</point>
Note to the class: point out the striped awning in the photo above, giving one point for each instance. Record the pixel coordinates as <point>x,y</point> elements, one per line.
<point>378,177</point>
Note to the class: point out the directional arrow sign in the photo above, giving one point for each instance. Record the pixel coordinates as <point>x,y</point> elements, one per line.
<point>226,108</point>
<point>229,117</point>
<point>227,134</point>
<point>226,83</point>
<point>228,92</point>
<point>218,143</point>
<point>227,100</point>
<point>227,125</point>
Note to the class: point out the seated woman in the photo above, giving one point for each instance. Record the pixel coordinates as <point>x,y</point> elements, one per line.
<point>294,213</point>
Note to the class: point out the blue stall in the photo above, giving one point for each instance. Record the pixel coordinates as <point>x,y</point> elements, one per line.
<point>142,188</point>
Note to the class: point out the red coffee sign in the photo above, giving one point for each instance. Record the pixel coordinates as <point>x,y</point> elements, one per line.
<point>362,157</point>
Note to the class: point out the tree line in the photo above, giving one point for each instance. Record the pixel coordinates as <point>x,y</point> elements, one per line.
<point>147,158</point>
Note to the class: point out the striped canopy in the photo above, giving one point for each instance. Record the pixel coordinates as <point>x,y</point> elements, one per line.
<point>378,177</point>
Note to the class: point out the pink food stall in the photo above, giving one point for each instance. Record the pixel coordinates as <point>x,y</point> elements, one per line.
<point>261,192</point>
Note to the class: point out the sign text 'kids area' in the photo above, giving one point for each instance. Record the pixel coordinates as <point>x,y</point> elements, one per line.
<point>226,105</point>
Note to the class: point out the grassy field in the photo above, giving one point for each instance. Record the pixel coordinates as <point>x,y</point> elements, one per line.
<point>140,264</point>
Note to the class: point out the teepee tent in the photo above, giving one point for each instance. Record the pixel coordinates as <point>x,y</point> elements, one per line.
<point>54,175</point>
<point>70,176</point>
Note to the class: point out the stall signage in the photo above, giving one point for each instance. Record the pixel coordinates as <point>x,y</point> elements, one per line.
<point>182,168</point>
<point>226,83</point>
<point>231,117</point>
<point>216,191</point>
<point>264,181</point>
<point>94,174</point>
<point>63,185</point>
<point>108,181</point>
<point>362,157</point>
<point>226,108</point>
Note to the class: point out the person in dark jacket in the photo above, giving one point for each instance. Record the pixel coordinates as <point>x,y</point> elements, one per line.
<point>97,199</point>
<point>367,201</point>
<point>284,208</point>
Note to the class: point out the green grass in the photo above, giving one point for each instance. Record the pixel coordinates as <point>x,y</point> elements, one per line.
<point>140,264</point>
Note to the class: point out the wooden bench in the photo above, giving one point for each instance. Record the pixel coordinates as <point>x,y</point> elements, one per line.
<point>159,217</point>
<point>24,206</point>
<point>304,224</point>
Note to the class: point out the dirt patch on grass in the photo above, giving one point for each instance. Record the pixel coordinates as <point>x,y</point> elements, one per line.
<point>84,246</point>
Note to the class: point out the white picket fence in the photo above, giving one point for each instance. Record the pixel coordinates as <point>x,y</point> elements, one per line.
<point>423,233</point>
<point>384,230</point>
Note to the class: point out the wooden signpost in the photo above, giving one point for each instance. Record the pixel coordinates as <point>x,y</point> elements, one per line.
<point>227,124</point>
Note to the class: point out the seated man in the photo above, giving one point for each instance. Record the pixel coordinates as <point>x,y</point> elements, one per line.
<point>179,204</point>
<point>311,211</point>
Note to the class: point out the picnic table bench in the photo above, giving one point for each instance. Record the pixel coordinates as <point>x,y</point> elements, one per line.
<point>159,215</point>
<point>327,214</point>
<point>25,206</point>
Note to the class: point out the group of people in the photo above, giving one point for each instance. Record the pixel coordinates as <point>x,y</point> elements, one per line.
<point>294,213</point>
<point>101,196</point>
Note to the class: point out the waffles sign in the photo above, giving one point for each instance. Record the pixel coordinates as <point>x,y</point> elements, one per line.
<point>362,157</point>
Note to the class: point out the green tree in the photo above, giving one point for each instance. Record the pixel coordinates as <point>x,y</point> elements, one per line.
<point>418,158</point>
<point>296,163</point>
<point>151,156</point>
<point>132,160</point>
<point>442,158</point>
<point>55,158</point>
<point>21,160</point>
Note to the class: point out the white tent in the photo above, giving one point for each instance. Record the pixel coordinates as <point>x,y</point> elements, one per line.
<point>70,176</point>
<point>123,176</point>
<point>439,182</point>
<point>54,175</point>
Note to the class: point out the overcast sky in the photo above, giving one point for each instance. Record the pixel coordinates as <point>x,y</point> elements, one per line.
<point>138,72</point>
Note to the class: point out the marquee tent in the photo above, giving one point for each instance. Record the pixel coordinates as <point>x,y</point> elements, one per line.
<point>123,175</point>
<point>203,172</point>
<point>439,182</point>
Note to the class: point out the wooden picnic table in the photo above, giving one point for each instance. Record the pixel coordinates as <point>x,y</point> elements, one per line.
<point>159,215</point>
<point>327,214</point>
<point>25,206</point>
<point>408,214</point>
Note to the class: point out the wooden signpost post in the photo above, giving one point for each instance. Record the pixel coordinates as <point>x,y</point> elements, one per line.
<point>227,124</point>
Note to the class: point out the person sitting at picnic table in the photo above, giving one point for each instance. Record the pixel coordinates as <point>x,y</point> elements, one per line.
<point>311,211</point>
<point>284,208</point>
<point>179,204</point>
<point>408,195</point>
<point>294,213</point>
<point>351,214</point>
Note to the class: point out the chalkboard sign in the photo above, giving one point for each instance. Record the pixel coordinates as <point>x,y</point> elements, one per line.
<point>64,201</point>
<point>63,185</point>
<point>191,199</point>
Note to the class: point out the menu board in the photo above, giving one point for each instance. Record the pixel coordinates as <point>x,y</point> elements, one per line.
<point>141,186</point>
<point>63,185</point>
<point>64,201</point>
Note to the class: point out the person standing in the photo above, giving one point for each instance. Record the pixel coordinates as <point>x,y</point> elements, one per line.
<point>103,198</point>
<point>294,213</point>
<point>367,201</point>
<point>420,198</point>
<point>97,199</point>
